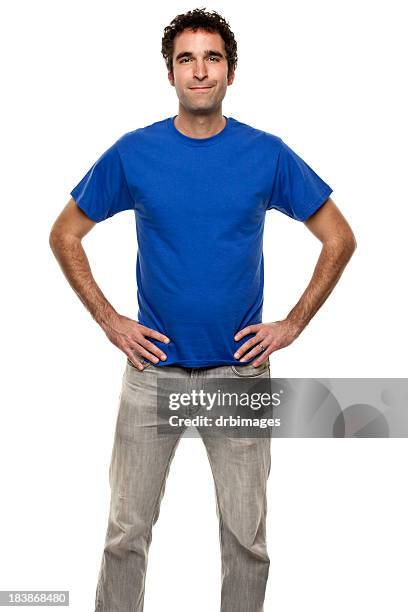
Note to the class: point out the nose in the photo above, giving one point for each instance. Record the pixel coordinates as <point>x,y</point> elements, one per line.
<point>200,69</point>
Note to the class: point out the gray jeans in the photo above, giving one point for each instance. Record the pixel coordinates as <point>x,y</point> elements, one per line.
<point>138,471</point>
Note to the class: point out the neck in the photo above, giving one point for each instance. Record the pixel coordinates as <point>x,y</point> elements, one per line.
<point>199,126</point>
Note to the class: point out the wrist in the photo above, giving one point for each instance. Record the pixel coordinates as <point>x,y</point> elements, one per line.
<point>295,325</point>
<point>106,318</point>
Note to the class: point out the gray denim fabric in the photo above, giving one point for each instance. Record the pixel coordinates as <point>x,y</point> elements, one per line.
<point>138,471</point>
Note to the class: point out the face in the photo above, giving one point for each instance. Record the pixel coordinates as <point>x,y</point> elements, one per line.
<point>200,70</point>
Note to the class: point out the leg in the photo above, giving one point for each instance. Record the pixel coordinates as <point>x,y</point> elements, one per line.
<point>138,471</point>
<point>240,468</point>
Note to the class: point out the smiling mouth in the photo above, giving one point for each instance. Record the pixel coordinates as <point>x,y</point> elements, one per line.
<point>200,88</point>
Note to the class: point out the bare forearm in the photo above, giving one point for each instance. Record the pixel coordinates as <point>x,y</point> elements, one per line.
<point>74,263</point>
<point>333,258</point>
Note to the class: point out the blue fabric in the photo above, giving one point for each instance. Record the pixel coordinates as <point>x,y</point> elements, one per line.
<point>200,208</point>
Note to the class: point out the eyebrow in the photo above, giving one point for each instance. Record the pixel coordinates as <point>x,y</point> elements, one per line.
<point>206,53</point>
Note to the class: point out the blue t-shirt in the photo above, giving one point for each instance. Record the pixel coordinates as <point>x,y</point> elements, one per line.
<point>200,207</point>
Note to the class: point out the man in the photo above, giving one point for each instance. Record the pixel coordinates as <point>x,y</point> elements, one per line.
<point>200,184</point>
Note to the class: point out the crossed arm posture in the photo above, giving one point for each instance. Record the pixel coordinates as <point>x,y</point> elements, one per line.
<point>327,224</point>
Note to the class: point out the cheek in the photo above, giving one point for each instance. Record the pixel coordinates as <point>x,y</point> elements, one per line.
<point>222,86</point>
<point>221,77</point>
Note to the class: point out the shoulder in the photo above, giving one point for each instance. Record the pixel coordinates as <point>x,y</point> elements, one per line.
<point>141,135</point>
<point>270,141</point>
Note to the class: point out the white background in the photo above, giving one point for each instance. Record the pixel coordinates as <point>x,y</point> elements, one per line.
<point>328,78</point>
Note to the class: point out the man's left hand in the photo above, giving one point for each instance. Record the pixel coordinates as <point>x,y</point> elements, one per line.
<point>269,337</point>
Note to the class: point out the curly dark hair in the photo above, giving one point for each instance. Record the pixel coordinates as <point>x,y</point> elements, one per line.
<point>199,18</point>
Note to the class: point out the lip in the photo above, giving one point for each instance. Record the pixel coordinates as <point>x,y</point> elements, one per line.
<point>201,88</point>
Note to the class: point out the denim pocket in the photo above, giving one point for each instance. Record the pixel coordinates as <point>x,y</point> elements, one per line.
<point>247,370</point>
<point>146,364</point>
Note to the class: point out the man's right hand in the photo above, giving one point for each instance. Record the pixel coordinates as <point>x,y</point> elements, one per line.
<point>132,338</point>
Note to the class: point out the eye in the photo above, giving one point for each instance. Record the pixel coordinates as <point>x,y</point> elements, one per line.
<point>186,59</point>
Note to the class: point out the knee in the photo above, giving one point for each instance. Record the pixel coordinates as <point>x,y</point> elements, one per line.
<point>124,537</point>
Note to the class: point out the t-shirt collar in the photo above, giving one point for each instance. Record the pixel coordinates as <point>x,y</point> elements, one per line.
<point>199,142</point>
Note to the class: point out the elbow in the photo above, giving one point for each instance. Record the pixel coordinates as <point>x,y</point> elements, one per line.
<point>343,244</point>
<point>349,245</point>
<point>56,239</point>
<point>348,241</point>
<point>53,239</point>
<point>352,242</point>
<point>60,239</point>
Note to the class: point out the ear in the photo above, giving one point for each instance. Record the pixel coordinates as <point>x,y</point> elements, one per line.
<point>231,77</point>
<point>170,76</point>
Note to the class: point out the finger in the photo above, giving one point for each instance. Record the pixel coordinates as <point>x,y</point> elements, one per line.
<point>246,346</point>
<point>134,360</point>
<point>138,351</point>
<point>152,333</point>
<point>259,353</point>
<point>155,352</point>
<point>263,357</point>
<point>246,330</point>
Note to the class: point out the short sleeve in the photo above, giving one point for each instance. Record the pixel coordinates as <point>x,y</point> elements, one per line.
<point>104,191</point>
<point>297,190</point>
